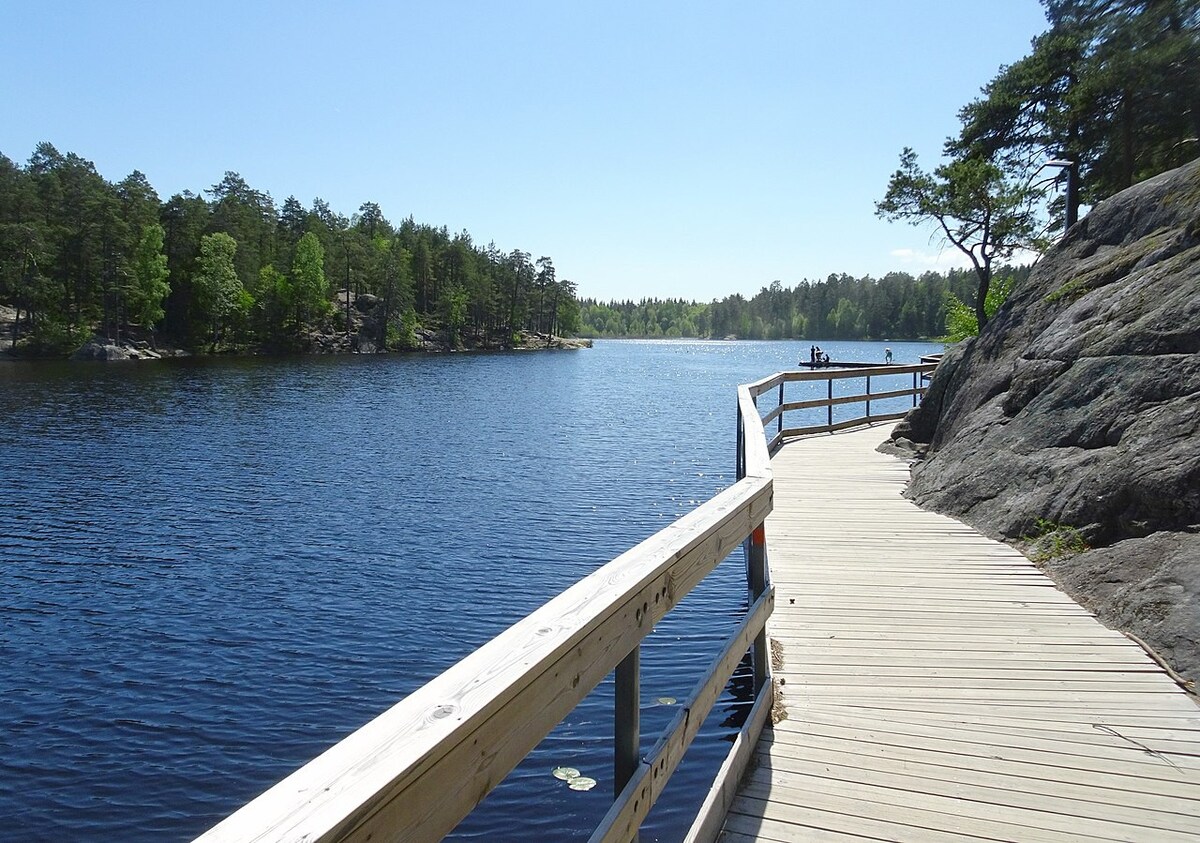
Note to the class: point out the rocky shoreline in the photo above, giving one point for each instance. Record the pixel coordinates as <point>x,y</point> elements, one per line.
<point>327,340</point>
<point>106,349</point>
<point>1071,426</point>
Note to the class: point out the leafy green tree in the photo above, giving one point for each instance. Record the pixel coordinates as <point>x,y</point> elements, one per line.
<point>309,287</point>
<point>544,284</point>
<point>150,274</point>
<point>961,320</point>
<point>371,222</point>
<point>453,307</point>
<point>521,277</point>
<point>249,217</point>
<point>396,292</point>
<point>217,284</point>
<point>139,202</point>
<point>1111,86</point>
<point>293,219</point>
<point>273,304</point>
<point>978,210</point>
<point>184,219</point>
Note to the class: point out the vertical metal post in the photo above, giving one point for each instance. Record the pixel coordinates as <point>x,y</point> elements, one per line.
<point>868,397</point>
<point>626,755</point>
<point>781,404</point>
<point>756,575</point>
<point>830,406</point>
<point>1072,194</point>
<point>916,375</point>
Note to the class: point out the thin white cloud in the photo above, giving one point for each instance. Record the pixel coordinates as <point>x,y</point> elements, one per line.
<point>939,261</point>
<point>945,259</point>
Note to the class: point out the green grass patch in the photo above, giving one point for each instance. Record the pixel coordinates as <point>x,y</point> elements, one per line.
<point>1051,540</point>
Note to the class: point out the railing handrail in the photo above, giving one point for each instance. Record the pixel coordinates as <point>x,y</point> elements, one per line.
<point>416,770</point>
<point>919,371</point>
<point>759,387</point>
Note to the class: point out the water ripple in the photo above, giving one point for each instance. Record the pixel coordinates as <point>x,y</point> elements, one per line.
<point>211,570</point>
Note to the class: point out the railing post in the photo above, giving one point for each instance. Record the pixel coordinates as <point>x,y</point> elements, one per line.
<point>626,751</point>
<point>740,458</point>
<point>868,397</point>
<point>830,407</point>
<point>781,404</point>
<point>756,575</point>
<point>916,375</point>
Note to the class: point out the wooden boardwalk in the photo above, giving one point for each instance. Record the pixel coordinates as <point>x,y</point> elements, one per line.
<point>939,687</point>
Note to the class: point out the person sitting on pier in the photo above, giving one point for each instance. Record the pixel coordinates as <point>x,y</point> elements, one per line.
<point>825,359</point>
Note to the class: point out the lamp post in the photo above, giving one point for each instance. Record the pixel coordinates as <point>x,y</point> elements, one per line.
<point>1072,168</point>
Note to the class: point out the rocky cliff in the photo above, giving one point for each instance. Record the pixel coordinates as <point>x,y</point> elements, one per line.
<point>1076,413</point>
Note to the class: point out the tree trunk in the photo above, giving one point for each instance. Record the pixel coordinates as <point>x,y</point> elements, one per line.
<point>984,274</point>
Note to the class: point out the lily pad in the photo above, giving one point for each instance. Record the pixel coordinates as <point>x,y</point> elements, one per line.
<point>565,773</point>
<point>581,783</point>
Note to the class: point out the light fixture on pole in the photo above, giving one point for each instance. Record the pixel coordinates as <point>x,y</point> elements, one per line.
<point>1072,168</point>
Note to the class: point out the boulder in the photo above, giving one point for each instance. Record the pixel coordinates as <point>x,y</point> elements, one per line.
<point>102,349</point>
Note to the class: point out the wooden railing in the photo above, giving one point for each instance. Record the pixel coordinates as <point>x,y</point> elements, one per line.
<point>919,373</point>
<point>415,771</point>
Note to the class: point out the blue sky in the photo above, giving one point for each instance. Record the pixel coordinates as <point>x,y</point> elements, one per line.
<point>671,149</point>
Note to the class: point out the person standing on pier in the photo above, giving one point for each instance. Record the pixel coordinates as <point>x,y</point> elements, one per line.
<point>887,356</point>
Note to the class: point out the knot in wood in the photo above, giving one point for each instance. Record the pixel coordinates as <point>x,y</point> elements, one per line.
<point>443,711</point>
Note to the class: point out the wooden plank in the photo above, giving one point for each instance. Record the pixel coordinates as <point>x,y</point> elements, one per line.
<point>966,738</point>
<point>842,374</point>
<point>956,812</point>
<point>933,772</point>
<point>1169,742</point>
<point>1177,784</point>
<point>1073,802</point>
<point>788,823</point>
<point>1033,710</point>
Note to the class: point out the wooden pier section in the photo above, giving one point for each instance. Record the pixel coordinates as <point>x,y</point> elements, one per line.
<point>938,686</point>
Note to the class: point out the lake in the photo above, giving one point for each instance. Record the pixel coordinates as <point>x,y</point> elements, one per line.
<point>213,569</point>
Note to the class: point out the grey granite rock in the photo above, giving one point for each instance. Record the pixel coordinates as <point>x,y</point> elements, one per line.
<point>1080,402</point>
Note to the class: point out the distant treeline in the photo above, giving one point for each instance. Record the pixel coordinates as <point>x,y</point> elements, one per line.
<point>80,254</point>
<point>896,306</point>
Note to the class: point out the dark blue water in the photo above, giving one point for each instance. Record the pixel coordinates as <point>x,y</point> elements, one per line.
<point>211,570</point>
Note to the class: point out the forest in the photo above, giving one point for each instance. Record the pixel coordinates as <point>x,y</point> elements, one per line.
<point>230,270</point>
<point>896,306</point>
